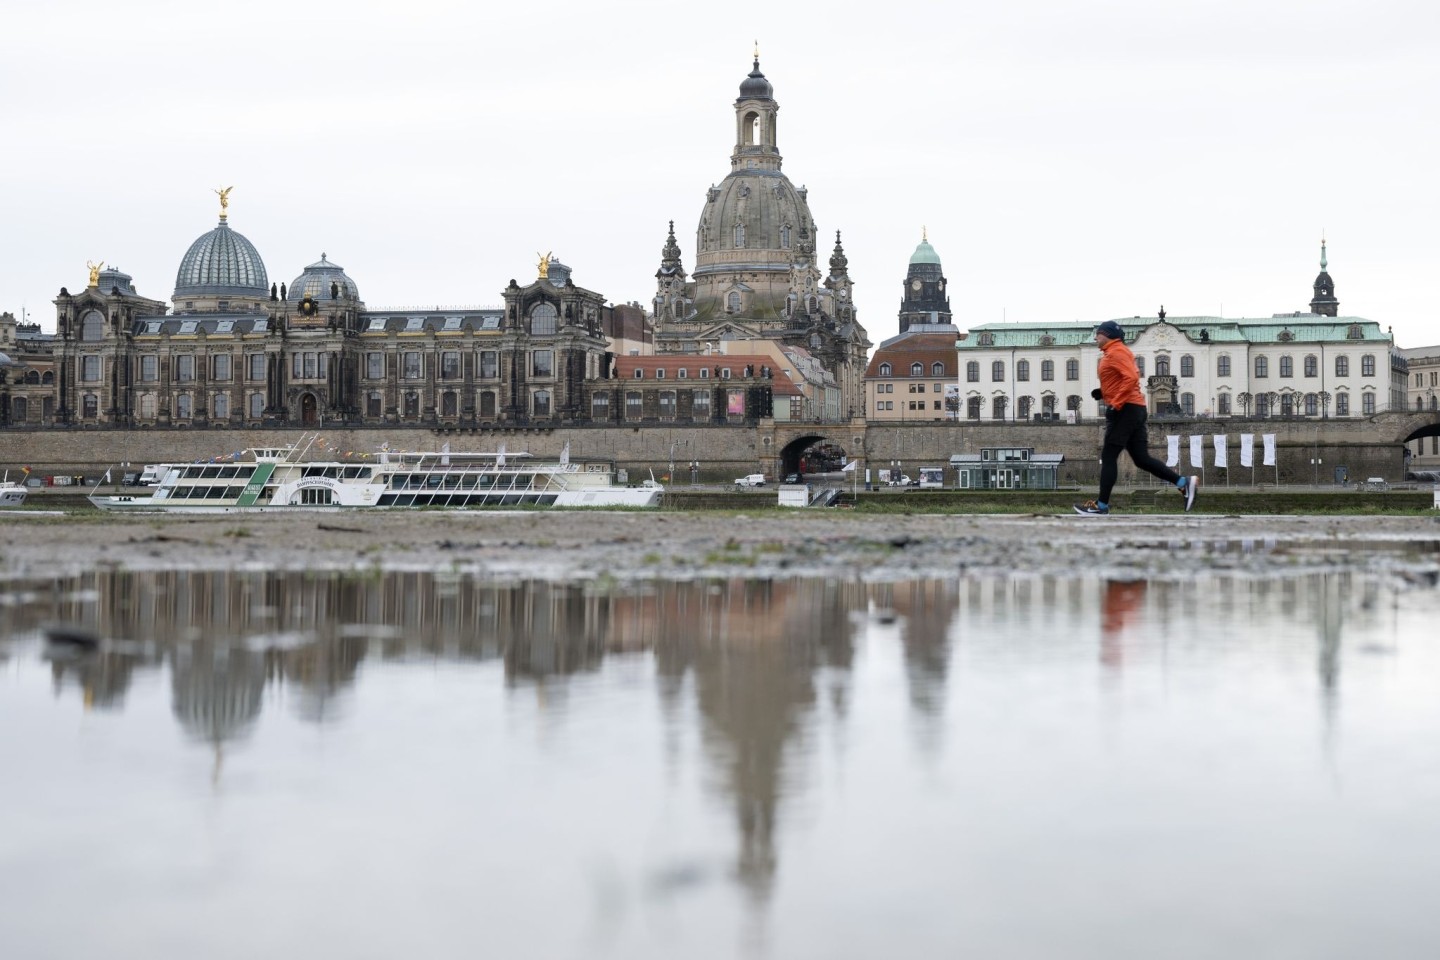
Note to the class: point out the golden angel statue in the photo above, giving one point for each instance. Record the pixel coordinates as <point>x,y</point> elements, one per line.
<point>95,272</point>
<point>544,265</point>
<point>224,195</point>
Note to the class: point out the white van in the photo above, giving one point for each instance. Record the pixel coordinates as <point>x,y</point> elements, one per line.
<point>151,474</point>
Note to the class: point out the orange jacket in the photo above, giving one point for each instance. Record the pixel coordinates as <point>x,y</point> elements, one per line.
<point>1119,379</point>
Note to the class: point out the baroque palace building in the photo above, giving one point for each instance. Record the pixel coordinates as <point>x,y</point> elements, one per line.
<point>1314,364</point>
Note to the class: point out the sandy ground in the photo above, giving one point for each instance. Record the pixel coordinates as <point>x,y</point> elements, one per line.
<point>595,545</point>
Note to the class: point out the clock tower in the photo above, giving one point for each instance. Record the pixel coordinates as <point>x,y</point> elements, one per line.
<point>924,301</point>
<point>1324,302</point>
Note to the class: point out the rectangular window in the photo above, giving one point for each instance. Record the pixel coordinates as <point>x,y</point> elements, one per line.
<point>185,367</point>
<point>257,400</point>
<point>1222,366</point>
<point>220,367</point>
<point>312,365</point>
<point>667,404</point>
<point>1047,370</point>
<point>1367,403</point>
<point>1342,404</point>
<point>541,403</point>
<point>1072,369</point>
<point>972,372</point>
<point>411,370</point>
<point>634,405</point>
<point>489,364</point>
<point>375,366</point>
<point>1262,367</point>
<point>700,405</point>
<point>1224,401</point>
<point>542,363</point>
<point>997,371</point>
<point>1342,367</point>
<point>450,365</point>
<point>149,368</point>
<point>600,406</point>
<point>256,364</point>
<point>1367,365</point>
<point>297,366</point>
<point>90,369</point>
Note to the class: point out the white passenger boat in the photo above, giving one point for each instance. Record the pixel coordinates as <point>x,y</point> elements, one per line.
<point>279,478</point>
<point>11,494</point>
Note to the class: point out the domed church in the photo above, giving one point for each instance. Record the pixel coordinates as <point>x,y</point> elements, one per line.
<point>757,273</point>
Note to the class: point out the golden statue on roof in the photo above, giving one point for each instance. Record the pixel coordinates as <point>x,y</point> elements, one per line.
<point>95,272</point>
<point>224,195</point>
<point>544,265</point>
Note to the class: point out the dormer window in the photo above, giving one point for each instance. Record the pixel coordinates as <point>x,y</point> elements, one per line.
<point>660,373</point>
<point>884,369</point>
<point>639,374</point>
<point>987,339</point>
<point>704,373</point>
<point>681,374</point>
<point>724,373</point>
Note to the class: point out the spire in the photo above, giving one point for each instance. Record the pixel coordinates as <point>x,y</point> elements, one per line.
<point>1323,264</point>
<point>924,235</point>
<point>670,254</point>
<point>1324,302</point>
<point>839,263</point>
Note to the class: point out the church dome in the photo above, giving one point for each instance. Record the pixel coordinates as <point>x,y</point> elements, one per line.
<point>316,282</point>
<point>222,263</point>
<point>755,86</point>
<point>925,254</point>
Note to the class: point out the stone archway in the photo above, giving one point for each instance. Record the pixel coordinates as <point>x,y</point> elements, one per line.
<point>1422,446</point>
<point>812,453</point>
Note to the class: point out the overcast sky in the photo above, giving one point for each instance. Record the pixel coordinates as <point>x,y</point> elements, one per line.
<point>1072,161</point>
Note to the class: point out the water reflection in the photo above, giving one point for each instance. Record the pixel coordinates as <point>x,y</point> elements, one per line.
<point>784,696</point>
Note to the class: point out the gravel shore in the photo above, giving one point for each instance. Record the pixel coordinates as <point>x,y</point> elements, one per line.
<point>639,545</point>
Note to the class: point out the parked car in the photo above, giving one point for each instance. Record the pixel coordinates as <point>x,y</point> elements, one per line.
<point>751,480</point>
<point>793,478</point>
<point>131,479</point>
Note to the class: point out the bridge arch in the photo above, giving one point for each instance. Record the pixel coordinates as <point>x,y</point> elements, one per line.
<point>814,452</point>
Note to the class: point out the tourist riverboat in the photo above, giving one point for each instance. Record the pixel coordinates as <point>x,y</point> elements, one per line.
<point>12,494</point>
<point>281,479</point>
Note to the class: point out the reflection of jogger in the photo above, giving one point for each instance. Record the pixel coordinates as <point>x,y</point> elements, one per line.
<point>1125,422</point>
<point>1120,603</point>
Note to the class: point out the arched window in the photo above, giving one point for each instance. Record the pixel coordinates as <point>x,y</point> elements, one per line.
<point>1367,365</point>
<point>1162,366</point>
<point>1434,403</point>
<point>1222,365</point>
<point>1342,404</point>
<point>732,302</point>
<point>972,372</point>
<point>1287,404</point>
<point>544,320</point>
<point>1312,366</point>
<point>1187,366</point>
<point>33,378</point>
<point>739,234</point>
<point>917,370</point>
<point>785,236</point>
<point>1022,371</point>
<point>220,406</point>
<point>1342,368</point>
<point>1047,369</point>
<point>1287,366</point>
<point>1262,366</point>
<point>47,378</point>
<point>1187,404</point>
<point>1024,405</point>
<point>92,325</point>
<point>997,371</point>
<point>1047,403</point>
<point>997,408</point>
<point>884,369</point>
<point>540,403</point>
<point>972,408</point>
<point>937,369</point>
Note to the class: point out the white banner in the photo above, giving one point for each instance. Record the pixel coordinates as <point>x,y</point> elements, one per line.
<point>1247,450</point>
<point>1269,440</point>
<point>1197,451</point>
<point>1222,457</point>
<point>1172,451</point>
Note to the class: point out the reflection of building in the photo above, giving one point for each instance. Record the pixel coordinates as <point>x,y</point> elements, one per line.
<point>1312,365</point>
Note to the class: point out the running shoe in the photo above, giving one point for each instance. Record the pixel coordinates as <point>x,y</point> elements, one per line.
<point>1192,490</point>
<point>1091,509</point>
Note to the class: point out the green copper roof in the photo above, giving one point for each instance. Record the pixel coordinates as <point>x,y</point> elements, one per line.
<point>1300,329</point>
<point>925,254</point>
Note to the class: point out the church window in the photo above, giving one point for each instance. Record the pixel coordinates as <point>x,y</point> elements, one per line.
<point>1287,366</point>
<point>600,406</point>
<point>220,406</point>
<point>220,367</point>
<point>1022,370</point>
<point>917,369</point>
<point>937,369</point>
<point>1047,369</point>
<point>185,367</point>
<point>1262,367</point>
<point>149,368</point>
<point>997,371</point>
<point>1222,365</point>
<point>92,325</point>
<point>1312,366</point>
<point>540,403</point>
<point>634,405</point>
<point>732,302</point>
<point>785,236</point>
<point>972,372</point>
<point>90,368</point>
<point>739,234</point>
<point>544,320</point>
<point>1367,365</point>
<point>1342,368</point>
<point>1072,369</point>
<point>885,370</point>
<point>542,363</point>
<point>1187,366</point>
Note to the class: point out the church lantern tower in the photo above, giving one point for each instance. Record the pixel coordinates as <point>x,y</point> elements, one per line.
<point>1324,302</point>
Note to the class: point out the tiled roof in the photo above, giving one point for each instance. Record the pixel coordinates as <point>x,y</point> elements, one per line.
<point>1305,328</point>
<point>779,383</point>
<point>925,349</point>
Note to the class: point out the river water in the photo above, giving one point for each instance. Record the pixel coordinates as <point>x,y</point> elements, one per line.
<point>426,765</point>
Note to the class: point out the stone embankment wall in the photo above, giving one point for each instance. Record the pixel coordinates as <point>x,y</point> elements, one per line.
<point>1365,448</point>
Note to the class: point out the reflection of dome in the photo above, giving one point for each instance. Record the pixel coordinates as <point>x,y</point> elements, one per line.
<point>222,263</point>
<point>755,86</point>
<point>316,280</point>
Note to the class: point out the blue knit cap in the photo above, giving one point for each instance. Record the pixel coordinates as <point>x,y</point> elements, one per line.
<point>1111,329</point>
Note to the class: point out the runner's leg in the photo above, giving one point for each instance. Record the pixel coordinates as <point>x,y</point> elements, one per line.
<point>1138,446</point>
